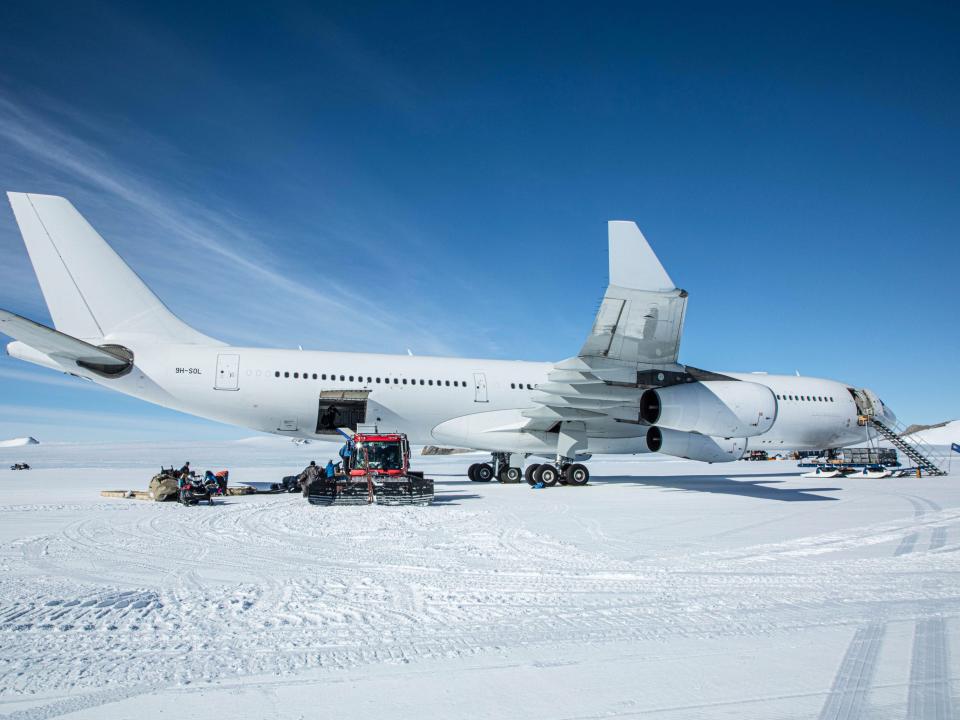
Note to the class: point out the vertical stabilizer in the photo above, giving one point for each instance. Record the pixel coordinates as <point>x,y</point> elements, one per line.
<point>90,291</point>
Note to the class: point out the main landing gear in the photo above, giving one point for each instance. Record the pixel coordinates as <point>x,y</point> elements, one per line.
<point>499,468</point>
<point>563,472</point>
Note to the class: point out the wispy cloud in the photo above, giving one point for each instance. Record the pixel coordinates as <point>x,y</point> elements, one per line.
<point>192,238</point>
<point>46,377</point>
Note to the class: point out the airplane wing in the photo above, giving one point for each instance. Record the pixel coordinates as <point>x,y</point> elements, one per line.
<point>633,344</point>
<point>59,346</point>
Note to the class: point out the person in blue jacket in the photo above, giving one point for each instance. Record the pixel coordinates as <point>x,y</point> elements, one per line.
<point>346,453</point>
<point>330,470</point>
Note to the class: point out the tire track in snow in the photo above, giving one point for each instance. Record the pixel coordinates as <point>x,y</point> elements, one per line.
<point>851,685</point>
<point>907,545</point>
<point>929,696</point>
<point>938,538</point>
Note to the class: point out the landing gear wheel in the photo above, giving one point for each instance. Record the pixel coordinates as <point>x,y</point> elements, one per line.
<point>472,472</point>
<point>510,475</point>
<point>577,474</point>
<point>547,474</point>
<point>529,473</point>
<point>483,473</point>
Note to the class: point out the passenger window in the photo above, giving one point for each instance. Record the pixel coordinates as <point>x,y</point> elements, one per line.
<point>369,380</point>
<point>447,383</point>
<point>378,379</point>
<point>296,375</point>
<point>421,382</point>
<point>429,382</point>
<point>404,381</point>
<point>512,386</point>
<point>529,386</point>
<point>395,381</point>
<point>277,374</point>
<point>314,376</point>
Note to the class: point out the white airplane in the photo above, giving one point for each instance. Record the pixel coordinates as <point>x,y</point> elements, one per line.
<point>624,392</point>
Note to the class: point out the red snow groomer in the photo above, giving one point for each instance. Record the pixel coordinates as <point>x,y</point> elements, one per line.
<point>380,472</point>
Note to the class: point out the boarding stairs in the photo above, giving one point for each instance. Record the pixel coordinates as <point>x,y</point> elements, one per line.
<point>918,451</point>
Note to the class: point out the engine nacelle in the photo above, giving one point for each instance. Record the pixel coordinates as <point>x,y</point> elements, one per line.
<point>695,446</point>
<point>720,408</point>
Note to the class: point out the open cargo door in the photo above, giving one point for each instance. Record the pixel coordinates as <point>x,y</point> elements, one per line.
<point>341,409</point>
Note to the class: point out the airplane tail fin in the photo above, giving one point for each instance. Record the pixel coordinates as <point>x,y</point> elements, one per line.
<point>90,291</point>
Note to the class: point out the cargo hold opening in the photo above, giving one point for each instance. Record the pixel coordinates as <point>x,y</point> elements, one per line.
<point>341,408</point>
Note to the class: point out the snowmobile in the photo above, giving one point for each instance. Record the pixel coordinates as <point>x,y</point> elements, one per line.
<point>290,484</point>
<point>193,490</point>
<point>19,466</point>
<point>213,485</point>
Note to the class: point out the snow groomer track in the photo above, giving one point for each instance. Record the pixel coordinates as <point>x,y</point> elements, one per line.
<point>748,592</point>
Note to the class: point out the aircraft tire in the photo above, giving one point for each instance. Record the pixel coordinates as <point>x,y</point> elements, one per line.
<point>547,474</point>
<point>510,475</point>
<point>472,472</point>
<point>483,473</point>
<point>577,475</point>
<point>529,472</point>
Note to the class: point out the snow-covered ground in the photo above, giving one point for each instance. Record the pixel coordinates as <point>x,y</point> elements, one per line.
<point>666,589</point>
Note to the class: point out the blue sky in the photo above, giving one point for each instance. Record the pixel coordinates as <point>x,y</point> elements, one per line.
<point>378,177</point>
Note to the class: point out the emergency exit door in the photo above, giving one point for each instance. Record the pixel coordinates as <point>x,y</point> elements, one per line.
<point>479,387</point>
<point>228,372</point>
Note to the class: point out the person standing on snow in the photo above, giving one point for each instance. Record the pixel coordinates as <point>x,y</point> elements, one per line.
<point>310,473</point>
<point>222,478</point>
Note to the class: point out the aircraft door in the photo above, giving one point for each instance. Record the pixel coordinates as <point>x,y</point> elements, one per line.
<point>480,387</point>
<point>228,372</point>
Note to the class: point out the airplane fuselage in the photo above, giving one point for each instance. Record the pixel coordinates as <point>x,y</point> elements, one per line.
<point>283,392</point>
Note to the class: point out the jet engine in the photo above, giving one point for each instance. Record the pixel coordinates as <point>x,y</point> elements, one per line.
<point>721,408</point>
<point>695,446</point>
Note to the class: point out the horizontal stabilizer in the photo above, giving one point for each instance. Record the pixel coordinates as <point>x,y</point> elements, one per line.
<point>61,347</point>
